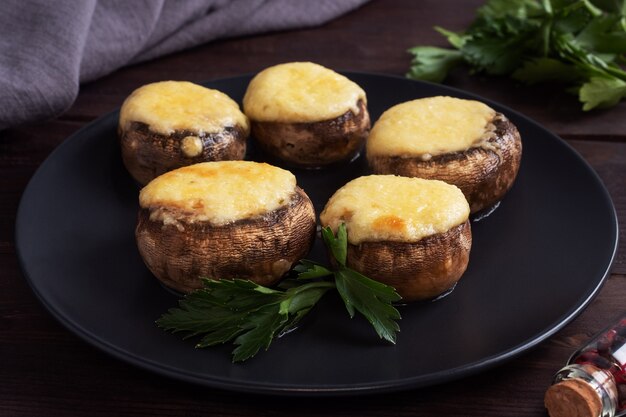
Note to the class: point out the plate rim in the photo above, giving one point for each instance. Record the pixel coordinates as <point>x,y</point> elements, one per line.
<point>327,390</point>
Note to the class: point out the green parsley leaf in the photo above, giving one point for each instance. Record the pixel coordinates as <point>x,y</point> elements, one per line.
<point>602,92</point>
<point>581,43</point>
<point>456,39</point>
<point>433,64</point>
<point>243,311</point>
<point>494,56</point>
<point>302,300</point>
<point>370,298</point>
<point>603,35</point>
<point>338,246</point>
<point>258,331</point>
<point>229,301</point>
<point>308,270</point>
<point>252,316</point>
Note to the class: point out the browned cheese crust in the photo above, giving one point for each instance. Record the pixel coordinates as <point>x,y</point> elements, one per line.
<point>315,144</point>
<point>484,174</point>
<point>261,249</point>
<point>417,270</point>
<point>147,154</point>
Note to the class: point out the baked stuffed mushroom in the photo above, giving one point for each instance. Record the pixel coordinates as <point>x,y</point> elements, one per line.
<point>410,233</point>
<point>223,220</point>
<point>461,142</point>
<point>307,115</point>
<point>170,124</point>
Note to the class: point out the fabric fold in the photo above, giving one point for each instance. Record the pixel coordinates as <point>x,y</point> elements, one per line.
<point>48,48</point>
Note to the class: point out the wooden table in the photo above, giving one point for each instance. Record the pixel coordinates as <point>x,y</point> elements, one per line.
<point>47,371</point>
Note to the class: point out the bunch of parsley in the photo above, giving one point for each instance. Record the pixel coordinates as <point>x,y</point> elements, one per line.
<point>579,42</point>
<point>251,315</point>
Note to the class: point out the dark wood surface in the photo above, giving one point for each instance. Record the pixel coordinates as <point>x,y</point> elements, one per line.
<point>47,371</point>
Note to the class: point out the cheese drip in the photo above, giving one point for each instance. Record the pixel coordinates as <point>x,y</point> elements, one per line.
<point>169,106</point>
<point>391,208</point>
<point>218,192</point>
<point>300,92</point>
<point>430,126</point>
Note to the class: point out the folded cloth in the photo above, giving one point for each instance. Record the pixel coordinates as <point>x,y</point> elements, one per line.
<point>47,48</point>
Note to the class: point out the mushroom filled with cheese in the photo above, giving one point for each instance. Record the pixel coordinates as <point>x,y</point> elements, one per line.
<point>307,115</point>
<point>223,220</point>
<point>170,124</point>
<point>461,142</point>
<point>410,233</point>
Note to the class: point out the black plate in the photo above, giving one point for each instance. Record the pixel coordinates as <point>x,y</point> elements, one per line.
<point>536,262</point>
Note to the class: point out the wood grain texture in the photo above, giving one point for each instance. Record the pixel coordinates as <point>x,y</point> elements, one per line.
<point>47,371</point>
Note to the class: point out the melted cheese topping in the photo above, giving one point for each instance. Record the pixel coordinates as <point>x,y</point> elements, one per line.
<point>391,208</point>
<point>430,126</point>
<point>218,192</point>
<point>300,92</point>
<point>168,106</point>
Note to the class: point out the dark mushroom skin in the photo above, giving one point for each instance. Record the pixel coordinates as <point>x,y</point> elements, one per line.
<point>262,248</point>
<point>419,270</point>
<point>147,154</point>
<point>315,144</point>
<point>410,233</point>
<point>484,173</point>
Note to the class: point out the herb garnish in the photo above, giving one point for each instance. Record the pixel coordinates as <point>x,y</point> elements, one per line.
<point>251,315</point>
<point>578,42</point>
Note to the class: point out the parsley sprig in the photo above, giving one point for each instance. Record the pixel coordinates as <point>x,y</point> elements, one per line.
<point>578,42</point>
<point>251,315</point>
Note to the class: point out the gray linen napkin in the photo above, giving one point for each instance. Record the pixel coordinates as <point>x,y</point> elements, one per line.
<point>47,48</point>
